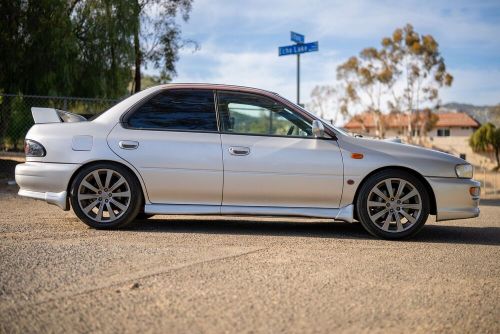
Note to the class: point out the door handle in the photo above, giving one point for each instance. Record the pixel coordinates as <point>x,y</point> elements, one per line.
<point>239,150</point>
<point>128,144</point>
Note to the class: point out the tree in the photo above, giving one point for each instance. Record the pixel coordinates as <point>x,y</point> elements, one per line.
<point>494,115</point>
<point>325,101</point>
<point>103,31</point>
<point>83,48</point>
<point>87,47</point>
<point>37,48</point>
<point>37,53</point>
<point>426,121</point>
<point>405,73</point>
<point>419,66</point>
<point>486,138</point>
<point>157,37</point>
<point>366,78</point>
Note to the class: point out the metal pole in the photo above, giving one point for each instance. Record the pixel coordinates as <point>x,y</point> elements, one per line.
<point>298,78</point>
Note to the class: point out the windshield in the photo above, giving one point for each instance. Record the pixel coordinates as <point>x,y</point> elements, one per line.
<point>328,124</point>
<point>342,131</point>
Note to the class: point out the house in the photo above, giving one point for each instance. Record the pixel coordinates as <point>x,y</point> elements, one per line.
<point>396,125</point>
<point>450,132</point>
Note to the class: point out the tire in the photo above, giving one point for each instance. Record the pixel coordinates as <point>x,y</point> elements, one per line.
<point>407,207</point>
<point>112,202</point>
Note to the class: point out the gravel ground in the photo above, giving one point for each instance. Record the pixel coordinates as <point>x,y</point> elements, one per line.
<point>210,274</point>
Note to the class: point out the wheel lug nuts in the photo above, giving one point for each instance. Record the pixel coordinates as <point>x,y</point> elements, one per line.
<point>99,199</point>
<point>392,210</point>
<point>398,208</point>
<point>392,199</point>
<point>105,189</point>
<point>106,200</point>
<point>99,192</point>
<point>399,202</point>
<point>110,194</point>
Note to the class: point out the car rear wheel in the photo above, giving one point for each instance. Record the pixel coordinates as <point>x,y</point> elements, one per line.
<point>106,196</point>
<point>393,204</point>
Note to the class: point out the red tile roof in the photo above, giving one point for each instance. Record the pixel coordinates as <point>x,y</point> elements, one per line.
<point>454,119</point>
<point>458,119</point>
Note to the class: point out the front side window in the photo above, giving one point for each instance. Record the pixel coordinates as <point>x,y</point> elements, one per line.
<point>245,113</point>
<point>182,110</point>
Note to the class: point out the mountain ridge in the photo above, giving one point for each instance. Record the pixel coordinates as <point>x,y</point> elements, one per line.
<point>482,114</point>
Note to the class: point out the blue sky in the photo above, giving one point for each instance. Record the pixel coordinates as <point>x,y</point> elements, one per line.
<point>239,41</point>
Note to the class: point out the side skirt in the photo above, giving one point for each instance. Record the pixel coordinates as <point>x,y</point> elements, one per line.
<point>345,213</point>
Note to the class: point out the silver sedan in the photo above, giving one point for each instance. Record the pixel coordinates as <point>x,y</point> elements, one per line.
<point>218,149</point>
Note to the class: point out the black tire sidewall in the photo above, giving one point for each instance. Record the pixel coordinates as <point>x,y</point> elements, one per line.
<point>135,200</point>
<point>362,209</point>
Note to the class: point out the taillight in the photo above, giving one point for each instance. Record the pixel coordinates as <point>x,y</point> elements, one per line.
<point>33,148</point>
<point>475,191</point>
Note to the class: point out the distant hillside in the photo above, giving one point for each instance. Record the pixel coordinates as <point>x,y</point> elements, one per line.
<point>482,114</point>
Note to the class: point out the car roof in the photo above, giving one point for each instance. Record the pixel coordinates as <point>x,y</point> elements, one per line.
<point>214,86</point>
<point>113,114</point>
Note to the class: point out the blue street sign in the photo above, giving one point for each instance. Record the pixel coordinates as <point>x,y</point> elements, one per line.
<point>296,37</point>
<point>298,48</point>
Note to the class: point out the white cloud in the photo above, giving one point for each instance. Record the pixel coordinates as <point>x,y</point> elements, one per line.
<point>475,86</point>
<point>457,21</point>
<point>260,69</point>
<point>239,41</point>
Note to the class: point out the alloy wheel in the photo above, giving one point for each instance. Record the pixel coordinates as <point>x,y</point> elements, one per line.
<point>104,195</point>
<point>394,205</point>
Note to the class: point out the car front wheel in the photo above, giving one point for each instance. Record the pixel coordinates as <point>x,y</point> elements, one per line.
<point>393,204</point>
<point>106,196</point>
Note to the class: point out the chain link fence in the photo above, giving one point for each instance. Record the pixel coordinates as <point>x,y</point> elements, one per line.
<point>16,120</point>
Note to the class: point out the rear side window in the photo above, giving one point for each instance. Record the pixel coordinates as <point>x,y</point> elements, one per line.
<point>183,110</point>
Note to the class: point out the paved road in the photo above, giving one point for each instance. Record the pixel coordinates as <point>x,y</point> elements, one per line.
<point>244,275</point>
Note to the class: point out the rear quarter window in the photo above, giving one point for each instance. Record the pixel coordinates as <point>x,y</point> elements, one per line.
<point>182,110</point>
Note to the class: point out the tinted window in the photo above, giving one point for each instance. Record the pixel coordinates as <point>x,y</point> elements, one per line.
<point>177,110</point>
<point>254,114</point>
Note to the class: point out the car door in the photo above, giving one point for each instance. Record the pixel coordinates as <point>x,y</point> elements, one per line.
<point>173,141</point>
<point>271,157</point>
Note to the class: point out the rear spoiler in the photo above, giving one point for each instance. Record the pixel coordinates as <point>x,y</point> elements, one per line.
<point>51,115</point>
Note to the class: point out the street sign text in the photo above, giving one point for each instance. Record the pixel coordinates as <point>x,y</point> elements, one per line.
<point>298,48</point>
<point>296,37</point>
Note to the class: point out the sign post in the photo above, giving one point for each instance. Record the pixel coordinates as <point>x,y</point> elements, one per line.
<point>298,48</point>
<point>298,78</point>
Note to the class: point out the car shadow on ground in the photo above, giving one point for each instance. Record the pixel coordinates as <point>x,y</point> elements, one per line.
<point>435,233</point>
<point>489,202</point>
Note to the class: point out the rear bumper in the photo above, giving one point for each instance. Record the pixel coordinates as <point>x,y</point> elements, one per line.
<point>59,199</point>
<point>453,200</point>
<point>45,181</point>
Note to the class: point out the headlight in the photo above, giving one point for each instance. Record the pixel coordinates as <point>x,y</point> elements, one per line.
<point>465,171</point>
<point>33,148</point>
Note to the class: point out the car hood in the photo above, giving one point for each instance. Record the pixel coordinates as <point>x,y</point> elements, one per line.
<point>426,161</point>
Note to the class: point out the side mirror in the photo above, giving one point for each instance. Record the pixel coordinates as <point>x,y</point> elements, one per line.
<point>318,129</point>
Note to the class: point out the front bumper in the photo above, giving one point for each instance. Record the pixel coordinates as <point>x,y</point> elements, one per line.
<point>45,181</point>
<point>453,200</point>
